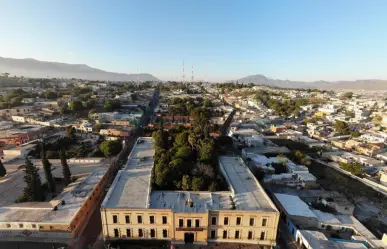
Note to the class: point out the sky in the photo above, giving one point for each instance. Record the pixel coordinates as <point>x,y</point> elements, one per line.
<point>221,39</point>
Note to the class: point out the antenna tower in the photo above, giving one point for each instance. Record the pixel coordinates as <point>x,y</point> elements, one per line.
<point>192,77</point>
<point>183,78</point>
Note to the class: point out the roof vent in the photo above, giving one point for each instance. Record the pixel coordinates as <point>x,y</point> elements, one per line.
<point>63,202</point>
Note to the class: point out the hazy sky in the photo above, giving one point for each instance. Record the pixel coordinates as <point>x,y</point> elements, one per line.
<point>289,39</point>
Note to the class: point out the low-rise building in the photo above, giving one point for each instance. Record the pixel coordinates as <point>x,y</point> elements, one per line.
<point>61,219</point>
<point>115,132</point>
<point>22,134</point>
<point>20,110</point>
<point>132,211</point>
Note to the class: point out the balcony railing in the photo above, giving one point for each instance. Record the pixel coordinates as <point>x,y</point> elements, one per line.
<point>190,229</point>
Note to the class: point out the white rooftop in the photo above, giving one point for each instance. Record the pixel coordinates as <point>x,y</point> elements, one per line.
<point>131,187</point>
<point>74,197</point>
<point>248,193</point>
<point>294,205</point>
<point>190,201</point>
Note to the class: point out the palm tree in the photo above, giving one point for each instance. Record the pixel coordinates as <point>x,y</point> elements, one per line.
<point>192,140</point>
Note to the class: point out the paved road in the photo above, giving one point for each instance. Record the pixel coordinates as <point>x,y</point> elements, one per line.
<point>94,227</point>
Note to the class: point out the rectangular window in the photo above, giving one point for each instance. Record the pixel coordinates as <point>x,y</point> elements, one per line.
<point>189,223</point>
<point>40,227</point>
<point>225,221</point>
<point>197,223</point>
<point>51,227</point>
<point>20,225</point>
<point>213,234</point>
<point>33,226</point>
<point>116,232</point>
<point>264,222</point>
<point>263,235</point>
<point>181,222</point>
<point>140,234</point>
<point>8,225</point>
<point>128,234</point>
<point>251,221</point>
<point>237,234</point>
<point>165,233</point>
<point>250,235</point>
<point>127,219</point>
<point>213,220</point>
<point>153,233</point>
<point>152,219</point>
<point>165,221</point>
<point>224,234</point>
<point>238,221</point>
<point>139,219</point>
<point>115,219</point>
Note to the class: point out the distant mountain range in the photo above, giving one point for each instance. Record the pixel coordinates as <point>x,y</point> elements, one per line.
<point>42,69</point>
<point>259,79</point>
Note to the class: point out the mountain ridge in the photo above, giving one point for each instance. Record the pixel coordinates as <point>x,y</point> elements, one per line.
<point>367,84</point>
<point>33,68</point>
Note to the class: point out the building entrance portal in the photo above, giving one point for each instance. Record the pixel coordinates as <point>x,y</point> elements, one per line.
<point>189,238</point>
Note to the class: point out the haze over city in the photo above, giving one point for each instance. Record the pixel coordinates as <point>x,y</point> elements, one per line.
<point>222,40</point>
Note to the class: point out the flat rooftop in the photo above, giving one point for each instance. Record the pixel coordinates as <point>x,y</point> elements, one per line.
<point>294,205</point>
<point>12,185</point>
<point>261,150</point>
<point>131,187</point>
<point>74,197</point>
<point>248,193</point>
<point>180,201</point>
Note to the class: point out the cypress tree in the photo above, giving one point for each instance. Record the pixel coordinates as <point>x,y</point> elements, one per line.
<point>47,170</point>
<point>33,190</point>
<point>65,168</point>
<point>3,171</point>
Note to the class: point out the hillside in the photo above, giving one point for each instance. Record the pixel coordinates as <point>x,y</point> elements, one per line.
<point>336,85</point>
<point>42,69</point>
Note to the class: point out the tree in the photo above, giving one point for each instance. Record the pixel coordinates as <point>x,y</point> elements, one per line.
<point>110,148</point>
<point>192,140</point>
<point>63,108</point>
<point>352,167</point>
<point>160,138</point>
<point>65,168</point>
<point>183,152</point>
<point>50,95</point>
<point>181,139</point>
<point>197,184</point>
<point>47,170</point>
<point>75,105</point>
<point>347,95</point>
<point>33,190</point>
<point>355,134</point>
<point>186,182</point>
<point>342,127</point>
<point>91,113</point>
<point>70,132</point>
<point>200,119</point>
<point>89,103</point>
<point>111,105</point>
<point>3,171</point>
<point>206,150</point>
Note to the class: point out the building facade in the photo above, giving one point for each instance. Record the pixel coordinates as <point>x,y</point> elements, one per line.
<point>132,211</point>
